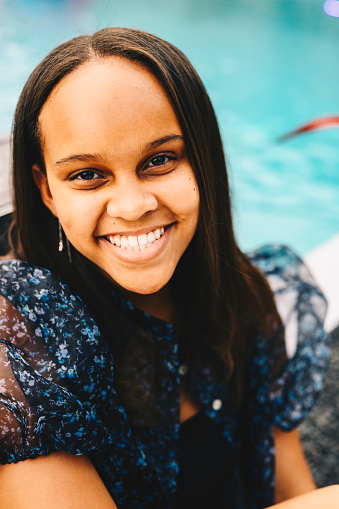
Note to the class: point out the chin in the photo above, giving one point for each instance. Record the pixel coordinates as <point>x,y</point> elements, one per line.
<point>144,289</point>
<point>145,285</point>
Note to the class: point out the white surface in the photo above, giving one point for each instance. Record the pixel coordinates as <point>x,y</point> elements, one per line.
<point>5,195</point>
<point>323,263</point>
<point>289,316</point>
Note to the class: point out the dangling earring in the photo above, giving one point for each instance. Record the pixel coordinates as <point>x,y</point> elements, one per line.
<point>61,243</point>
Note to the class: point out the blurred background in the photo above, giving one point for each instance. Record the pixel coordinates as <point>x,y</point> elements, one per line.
<point>269,66</point>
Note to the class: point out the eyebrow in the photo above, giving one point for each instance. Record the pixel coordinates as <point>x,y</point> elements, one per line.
<point>77,158</point>
<point>96,157</point>
<point>162,141</point>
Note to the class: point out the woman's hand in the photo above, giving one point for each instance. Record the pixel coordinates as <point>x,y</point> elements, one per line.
<point>57,481</point>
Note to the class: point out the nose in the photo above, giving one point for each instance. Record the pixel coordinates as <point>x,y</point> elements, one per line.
<point>131,200</point>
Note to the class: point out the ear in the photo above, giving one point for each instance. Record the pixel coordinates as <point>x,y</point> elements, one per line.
<point>45,192</point>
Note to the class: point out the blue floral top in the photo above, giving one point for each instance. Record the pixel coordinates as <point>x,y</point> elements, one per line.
<point>57,385</point>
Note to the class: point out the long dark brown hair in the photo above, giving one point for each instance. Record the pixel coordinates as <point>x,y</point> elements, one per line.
<point>224,300</point>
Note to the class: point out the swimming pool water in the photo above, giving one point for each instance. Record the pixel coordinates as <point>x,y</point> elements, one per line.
<point>269,66</point>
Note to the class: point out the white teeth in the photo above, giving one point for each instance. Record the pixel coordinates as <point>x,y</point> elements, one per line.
<point>150,237</point>
<point>142,239</point>
<point>124,242</point>
<point>133,243</point>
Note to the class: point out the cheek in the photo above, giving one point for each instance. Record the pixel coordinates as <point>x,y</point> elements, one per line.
<point>182,196</point>
<point>188,202</point>
<point>77,213</point>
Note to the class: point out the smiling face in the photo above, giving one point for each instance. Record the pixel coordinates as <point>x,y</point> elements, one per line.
<point>118,177</point>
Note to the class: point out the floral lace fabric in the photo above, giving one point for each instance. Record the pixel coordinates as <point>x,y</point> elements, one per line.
<point>57,384</point>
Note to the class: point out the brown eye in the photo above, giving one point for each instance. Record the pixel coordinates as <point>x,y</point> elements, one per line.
<point>160,160</point>
<point>86,175</point>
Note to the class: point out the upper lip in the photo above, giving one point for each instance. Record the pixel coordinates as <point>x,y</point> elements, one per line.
<point>136,233</point>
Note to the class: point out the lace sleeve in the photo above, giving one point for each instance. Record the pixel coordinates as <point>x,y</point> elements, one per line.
<point>18,418</point>
<point>302,307</point>
<point>56,374</point>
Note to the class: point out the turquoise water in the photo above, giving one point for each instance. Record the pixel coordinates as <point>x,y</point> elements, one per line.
<point>269,66</point>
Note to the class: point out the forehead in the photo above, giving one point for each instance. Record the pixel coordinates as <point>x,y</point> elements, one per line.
<point>106,96</point>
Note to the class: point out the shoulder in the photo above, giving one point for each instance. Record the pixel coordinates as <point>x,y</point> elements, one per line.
<point>19,275</point>
<point>302,354</point>
<point>56,371</point>
<point>275,258</point>
<point>36,290</point>
<point>21,268</point>
<point>280,264</point>
<point>300,302</point>
<point>36,305</point>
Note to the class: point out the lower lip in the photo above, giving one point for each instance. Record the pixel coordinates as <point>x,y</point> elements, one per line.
<point>145,255</point>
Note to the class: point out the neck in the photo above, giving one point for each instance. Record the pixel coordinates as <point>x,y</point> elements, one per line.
<point>159,304</point>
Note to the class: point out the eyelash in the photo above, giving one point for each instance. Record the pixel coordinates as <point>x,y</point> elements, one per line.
<point>78,176</point>
<point>168,156</point>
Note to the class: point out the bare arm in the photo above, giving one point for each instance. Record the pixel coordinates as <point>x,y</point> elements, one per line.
<point>59,481</point>
<point>293,476</point>
<point>324,498</point>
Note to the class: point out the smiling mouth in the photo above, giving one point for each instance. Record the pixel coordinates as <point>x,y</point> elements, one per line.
<point>137,243</point>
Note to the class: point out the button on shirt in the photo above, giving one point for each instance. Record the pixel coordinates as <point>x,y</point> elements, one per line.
<point>217,404</point>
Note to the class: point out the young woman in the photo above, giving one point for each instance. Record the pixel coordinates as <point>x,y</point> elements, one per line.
<point>143,360</point>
